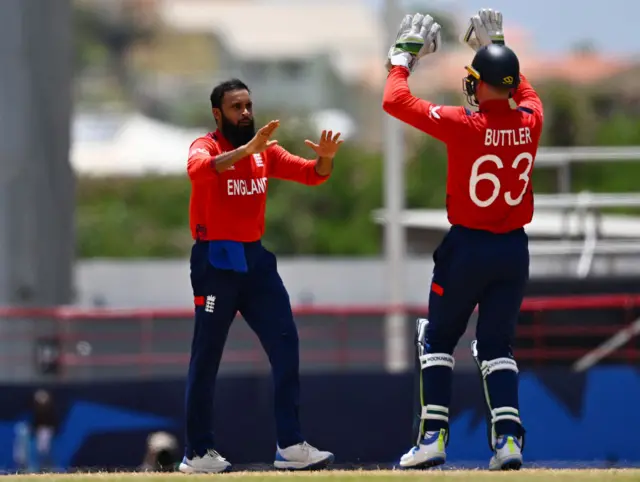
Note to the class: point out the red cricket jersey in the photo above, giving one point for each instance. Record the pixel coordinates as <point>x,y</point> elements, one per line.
<point>490,153</point>
<point>230,205</point>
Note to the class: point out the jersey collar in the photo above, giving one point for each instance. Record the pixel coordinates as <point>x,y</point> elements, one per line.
<point>495,106</point>
<point>225,145</point>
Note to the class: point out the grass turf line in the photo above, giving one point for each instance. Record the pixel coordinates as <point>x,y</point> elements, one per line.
<point>533,475</point>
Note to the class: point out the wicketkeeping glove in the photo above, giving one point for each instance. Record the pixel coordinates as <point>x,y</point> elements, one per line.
<point>419,35</point>
<point>484,29</point>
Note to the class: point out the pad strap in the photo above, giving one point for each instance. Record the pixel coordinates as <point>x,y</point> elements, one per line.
<point>488,367</point>
<point>505,413</point>
<point>436,360</point>
<point>435,412</point>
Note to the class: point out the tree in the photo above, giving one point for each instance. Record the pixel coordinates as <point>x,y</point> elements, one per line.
<point>105,37</point>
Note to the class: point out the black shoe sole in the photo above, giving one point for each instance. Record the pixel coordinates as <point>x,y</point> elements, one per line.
<point>512,465</point>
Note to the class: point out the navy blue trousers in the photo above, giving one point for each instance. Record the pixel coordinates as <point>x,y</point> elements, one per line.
<point>262,299</point>
<point>490,271</point>
<point>478,268</point>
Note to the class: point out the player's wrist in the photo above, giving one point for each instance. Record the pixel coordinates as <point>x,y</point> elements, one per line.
<point>405,71</point>
<point>497,37</point>
<point>324,166</point>
<point>325,158</point>
<point>403,59</point>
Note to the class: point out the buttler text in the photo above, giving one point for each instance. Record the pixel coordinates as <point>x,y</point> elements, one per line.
<point>507,137</point>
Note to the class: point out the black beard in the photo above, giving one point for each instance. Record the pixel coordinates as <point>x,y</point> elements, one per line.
<point>237,135</point>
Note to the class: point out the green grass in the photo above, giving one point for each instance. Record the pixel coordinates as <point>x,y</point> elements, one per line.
<point>351,476</point>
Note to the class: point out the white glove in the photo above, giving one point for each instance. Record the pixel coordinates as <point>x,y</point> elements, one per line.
<point>419,35</point>
<point>484,29</point>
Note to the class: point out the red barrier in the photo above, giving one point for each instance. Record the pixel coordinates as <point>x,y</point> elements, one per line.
<point>334,336</point>
<point>548,303</point>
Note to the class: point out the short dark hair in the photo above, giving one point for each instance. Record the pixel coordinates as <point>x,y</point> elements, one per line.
<point>222,88</point>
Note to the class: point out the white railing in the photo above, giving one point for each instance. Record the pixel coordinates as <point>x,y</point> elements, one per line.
<point>587,200</point>
<point>585,208</point>
<point>559,156</point>
<point>563,157</point>
<point>586,205</point>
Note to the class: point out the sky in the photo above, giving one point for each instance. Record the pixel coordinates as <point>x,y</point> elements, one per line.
<point>557,25</point>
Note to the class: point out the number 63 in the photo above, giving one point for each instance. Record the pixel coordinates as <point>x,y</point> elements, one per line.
<point>487,176</point>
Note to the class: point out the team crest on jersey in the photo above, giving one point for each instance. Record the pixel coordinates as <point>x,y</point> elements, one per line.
<point>258,159</point>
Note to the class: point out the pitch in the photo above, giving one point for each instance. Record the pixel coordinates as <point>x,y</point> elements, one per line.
<point>349,476</point>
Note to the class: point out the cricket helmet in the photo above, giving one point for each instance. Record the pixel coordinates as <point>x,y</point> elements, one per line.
<point>496,65</point>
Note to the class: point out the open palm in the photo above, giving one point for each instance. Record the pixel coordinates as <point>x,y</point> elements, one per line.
<point>328,145</point>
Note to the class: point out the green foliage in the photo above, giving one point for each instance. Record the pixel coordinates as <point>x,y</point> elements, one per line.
<point>148,217</point>
<point>611,176</point>
<point>569,116</point>
<point>426,175</point>
<point>574,117</point>
<point>333,218</point>
<point>88,49</point>
<point>144,217</point>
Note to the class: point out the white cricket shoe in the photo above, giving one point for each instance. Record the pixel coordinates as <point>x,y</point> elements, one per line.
<point>210,463</point>
<point>302,456</point>
<point>507,454</point>
<point>429,453</point>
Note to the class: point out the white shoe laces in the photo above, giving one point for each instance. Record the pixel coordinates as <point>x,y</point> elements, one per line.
<point>214,454</point>
<point>307,447</point>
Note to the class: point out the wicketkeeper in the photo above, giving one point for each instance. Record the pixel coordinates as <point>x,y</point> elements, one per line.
<point>483,259</point>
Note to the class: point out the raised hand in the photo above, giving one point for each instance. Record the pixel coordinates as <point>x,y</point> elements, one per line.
<point>262,140</point>
<point>328,145</point>
<point>485,28</point>
<point>419,35</point>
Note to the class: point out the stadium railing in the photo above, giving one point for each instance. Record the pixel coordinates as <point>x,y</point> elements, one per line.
<point>562,159</point>
<point>586,204</point>
<point>72,343</point>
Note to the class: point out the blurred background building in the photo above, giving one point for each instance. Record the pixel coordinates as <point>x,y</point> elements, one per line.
<point>100,101</point>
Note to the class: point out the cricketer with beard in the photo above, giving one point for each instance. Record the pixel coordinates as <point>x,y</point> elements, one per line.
<point>231,271</point>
